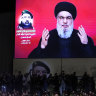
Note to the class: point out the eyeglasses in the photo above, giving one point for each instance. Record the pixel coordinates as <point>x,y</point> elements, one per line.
<point>67,18</point>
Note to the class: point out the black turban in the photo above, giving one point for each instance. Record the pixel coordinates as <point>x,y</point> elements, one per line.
<point>26,11</point>
<point>40,63</point>
<point>66,6</point>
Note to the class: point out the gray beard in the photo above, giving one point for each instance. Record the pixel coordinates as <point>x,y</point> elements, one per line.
<point>64,32</point>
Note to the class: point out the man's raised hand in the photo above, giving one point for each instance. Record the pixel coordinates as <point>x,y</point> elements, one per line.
<point>45,37</point>
<point>82,35</point>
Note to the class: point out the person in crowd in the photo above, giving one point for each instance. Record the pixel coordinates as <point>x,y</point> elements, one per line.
<point>19,82</point>
<point>62,86</point>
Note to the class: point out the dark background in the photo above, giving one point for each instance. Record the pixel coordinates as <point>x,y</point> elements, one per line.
<point>7,37</point>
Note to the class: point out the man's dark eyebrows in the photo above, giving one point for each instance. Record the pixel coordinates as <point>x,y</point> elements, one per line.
<point>64,17</point>
<point>69,17</point>
<point>61,17</point>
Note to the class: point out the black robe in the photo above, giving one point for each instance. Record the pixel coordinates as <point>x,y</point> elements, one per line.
<point>64,48</point>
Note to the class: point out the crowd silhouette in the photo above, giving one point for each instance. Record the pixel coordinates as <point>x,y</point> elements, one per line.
<point>55,85</point>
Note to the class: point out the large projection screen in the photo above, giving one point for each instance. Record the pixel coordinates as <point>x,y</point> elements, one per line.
<point>43,17</point>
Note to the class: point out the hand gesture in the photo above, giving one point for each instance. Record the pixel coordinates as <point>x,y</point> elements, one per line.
<point>45,37</point>
<point>82,35</point>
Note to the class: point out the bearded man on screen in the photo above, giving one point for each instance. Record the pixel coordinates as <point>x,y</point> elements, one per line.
<point>26,21</point>
<point>64,41</point>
